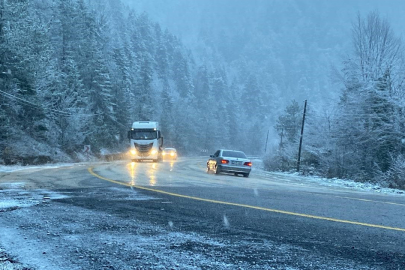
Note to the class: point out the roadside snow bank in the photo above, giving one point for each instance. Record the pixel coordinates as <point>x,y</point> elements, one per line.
<point>13,168</point>
<point>329,182</point>
<point>14,196</point>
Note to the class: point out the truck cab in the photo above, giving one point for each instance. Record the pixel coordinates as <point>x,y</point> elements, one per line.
<point>146,141</point>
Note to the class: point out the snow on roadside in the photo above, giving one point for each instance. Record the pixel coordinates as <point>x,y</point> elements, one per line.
<point>322,181</point>
<point>14,196</point>
<point>344,183</point>
<point>6,263</point>
<point>13,168</point>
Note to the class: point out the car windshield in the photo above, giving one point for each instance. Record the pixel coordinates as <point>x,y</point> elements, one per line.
<point>143,134</point>
<point>236,154</point>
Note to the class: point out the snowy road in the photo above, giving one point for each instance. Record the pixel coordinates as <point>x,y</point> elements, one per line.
<point>173,215</point>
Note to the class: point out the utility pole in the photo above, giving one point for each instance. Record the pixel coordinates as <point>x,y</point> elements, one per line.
<point>302,133</point>
<point>280,146</point>
<point>265,147</point>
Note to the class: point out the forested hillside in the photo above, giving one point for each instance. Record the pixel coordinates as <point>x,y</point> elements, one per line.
<point>345,57</point>
<point>362,136</point>
<point>75,74</point>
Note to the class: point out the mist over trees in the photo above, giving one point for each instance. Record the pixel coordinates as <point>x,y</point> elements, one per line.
<point>363,138</point>
<point>75,73</point>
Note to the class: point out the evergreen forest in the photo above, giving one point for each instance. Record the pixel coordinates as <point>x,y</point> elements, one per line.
<point>79,72</point>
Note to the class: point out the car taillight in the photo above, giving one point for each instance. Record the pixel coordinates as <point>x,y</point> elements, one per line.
<point>248,163</point>
<point>224,161</point>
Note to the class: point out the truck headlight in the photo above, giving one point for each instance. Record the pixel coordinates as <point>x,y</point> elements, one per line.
<point>153,152</point>
<point>133,152</point>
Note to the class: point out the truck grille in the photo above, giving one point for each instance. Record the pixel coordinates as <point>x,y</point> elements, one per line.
<point>143,149</point>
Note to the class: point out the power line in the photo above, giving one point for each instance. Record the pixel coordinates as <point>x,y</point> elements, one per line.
<point>32,104</point>
<point>61,113</point>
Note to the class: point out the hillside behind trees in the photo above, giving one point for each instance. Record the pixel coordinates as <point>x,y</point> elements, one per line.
<point>75,74</point>
<point>222,74</point>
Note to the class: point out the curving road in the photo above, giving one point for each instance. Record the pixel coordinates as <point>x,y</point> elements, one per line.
<point>173,215</point>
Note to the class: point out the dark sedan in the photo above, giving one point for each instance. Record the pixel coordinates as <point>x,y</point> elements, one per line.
<point>229,161</point>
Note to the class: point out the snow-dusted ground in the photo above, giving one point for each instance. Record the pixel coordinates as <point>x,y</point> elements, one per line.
<point>13,168</point>
<point>151,240</point>
<point>343,183</point>
<point>327,182</point>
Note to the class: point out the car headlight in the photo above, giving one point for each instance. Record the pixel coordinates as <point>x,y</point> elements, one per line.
<point>163,153</point>
<point>172,154</point>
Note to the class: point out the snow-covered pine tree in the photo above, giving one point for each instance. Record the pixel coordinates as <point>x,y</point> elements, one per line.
<point>366,126</point>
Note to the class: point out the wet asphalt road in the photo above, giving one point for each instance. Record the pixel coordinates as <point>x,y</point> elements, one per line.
<point>173,215</point>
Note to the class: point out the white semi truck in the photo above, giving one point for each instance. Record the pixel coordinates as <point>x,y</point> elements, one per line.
<point>146,141</point>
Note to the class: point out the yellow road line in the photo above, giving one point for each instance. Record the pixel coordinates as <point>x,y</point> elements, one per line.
<point>356,199</point>
<point>90,169</point>
<point>367,200</point>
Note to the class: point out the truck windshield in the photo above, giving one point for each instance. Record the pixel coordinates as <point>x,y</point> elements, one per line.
<point>143,134</point>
